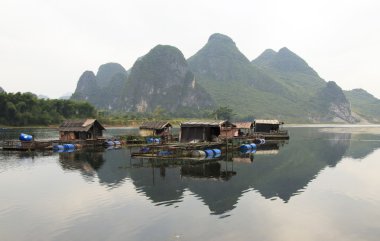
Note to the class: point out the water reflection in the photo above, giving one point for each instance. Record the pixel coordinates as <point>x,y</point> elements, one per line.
<point>211,170</point>
<point>87,162</point>
<point>277,170</point>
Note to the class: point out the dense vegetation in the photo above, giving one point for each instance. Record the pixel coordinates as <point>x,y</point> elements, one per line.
<point>22,109</point>
<point>364,104</point>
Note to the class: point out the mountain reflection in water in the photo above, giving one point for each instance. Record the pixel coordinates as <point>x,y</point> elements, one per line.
<point>276,170</point>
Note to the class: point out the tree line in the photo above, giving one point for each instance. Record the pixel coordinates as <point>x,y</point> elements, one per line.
<point>26,109</point>
<point>21,109</point>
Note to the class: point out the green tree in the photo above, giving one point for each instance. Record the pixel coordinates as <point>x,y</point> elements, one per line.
<point>223,113</point>
<point>159,112</point>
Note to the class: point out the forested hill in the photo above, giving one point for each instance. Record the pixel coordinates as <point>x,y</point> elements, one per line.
<point>160,80</point>
<point>104,89</point>
<point>277,84</point>
<point>364,104</point>
<point>22,109</point>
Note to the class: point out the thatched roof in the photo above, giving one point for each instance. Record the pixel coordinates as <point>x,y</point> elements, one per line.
<point>244,125</point>
<point>217,123</point>
<point>79,125</point>
<point>155,125</point>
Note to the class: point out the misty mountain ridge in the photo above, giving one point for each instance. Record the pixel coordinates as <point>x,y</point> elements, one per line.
<point>163,79</point>
<point>104,89</point>
<point>283,61</point>
<point>277,85</point>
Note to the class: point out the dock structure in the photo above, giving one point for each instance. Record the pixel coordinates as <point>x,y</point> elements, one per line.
<point>186,149</point>
<point>16,145</point>
<point>174,150</point>
<point>82,133</point>
<point>35,145</point>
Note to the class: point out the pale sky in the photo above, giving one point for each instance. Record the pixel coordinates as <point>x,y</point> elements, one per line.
<point>45,45</point>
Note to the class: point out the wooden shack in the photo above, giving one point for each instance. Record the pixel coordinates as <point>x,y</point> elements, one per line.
<point>205,131</point>
<point>267,126</point>
<point>88,129</point>
<point>243,128</point>
<point>155,128</point>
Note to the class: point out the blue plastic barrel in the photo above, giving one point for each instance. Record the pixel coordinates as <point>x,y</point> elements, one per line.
<point>245,147</point>
<point>25,137</point>
<point>253,145</point>
<point>149,140</point>
<point>248,151</point>
<point>217,152</point>
<point>209,153</point>
<point>57,147</point>
<point>157,140</point>
<point>109,143</point>
<point>117,142</point>
<point>68,146</point>
<point>245,151</point>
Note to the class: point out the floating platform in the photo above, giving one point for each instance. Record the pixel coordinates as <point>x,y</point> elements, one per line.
<point>281,135</point>
<point>17,145</point>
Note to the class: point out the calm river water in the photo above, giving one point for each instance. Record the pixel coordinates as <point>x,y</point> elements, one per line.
<point>324,184</point>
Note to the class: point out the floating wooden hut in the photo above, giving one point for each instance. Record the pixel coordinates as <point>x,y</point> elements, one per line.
<point>205,131</point>
<point>267,126</point>
<point>270,129</point>
<point>155,128</point>
<point>87,129</point>
<point>243,129</point>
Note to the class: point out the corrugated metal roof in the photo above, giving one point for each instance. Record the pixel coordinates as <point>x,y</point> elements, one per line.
<point>271,122</point>
<point>244,125</point>
<point>216,123</point>
<point>155,125</point>
<point>78,125</point>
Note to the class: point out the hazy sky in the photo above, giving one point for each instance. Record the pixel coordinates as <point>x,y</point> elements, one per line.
<point>45,45</point>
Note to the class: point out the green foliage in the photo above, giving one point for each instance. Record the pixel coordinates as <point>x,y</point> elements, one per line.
<point>159,112</point>
<point>26,109</point>
<point>364,104</point>
<point>223,113</point>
